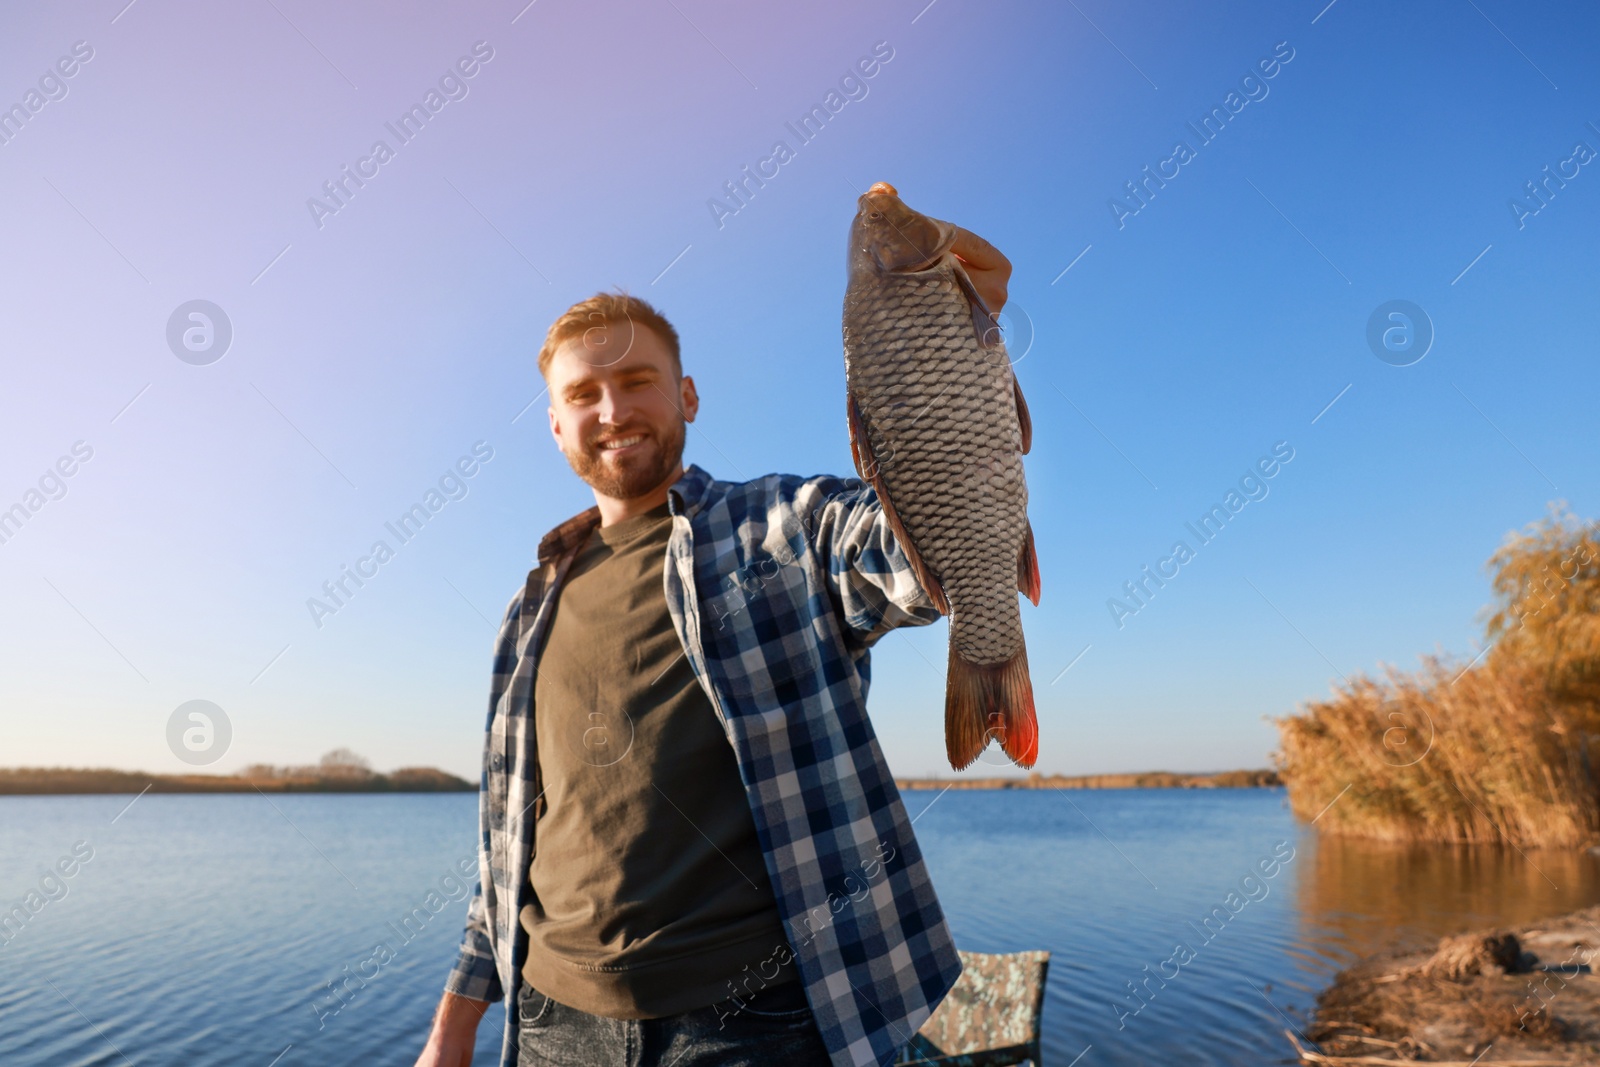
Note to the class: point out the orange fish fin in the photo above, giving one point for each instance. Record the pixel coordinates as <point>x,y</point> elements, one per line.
<point>1024,420</point>
<point>867,466</point>
<point>993,701</point>
<point>1028,569</point>
<point>983,321</point>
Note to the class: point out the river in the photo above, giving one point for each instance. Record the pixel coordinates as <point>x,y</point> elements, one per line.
<point>206,929</point>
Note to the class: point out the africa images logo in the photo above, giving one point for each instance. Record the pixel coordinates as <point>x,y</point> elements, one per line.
<point>340,190</point>
<point>807,128</point>
<point>199,732</point>
<point>199,332</point>
<point>1399,332</point>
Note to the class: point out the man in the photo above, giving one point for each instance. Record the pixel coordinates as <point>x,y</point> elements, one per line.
<point>724,871</point>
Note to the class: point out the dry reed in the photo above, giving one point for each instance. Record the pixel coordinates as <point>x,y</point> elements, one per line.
<point>1499,751</point>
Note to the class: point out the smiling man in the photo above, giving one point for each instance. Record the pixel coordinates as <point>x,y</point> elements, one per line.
<point>692,850</point>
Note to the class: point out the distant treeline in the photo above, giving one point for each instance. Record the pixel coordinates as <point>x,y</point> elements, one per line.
<point>1501,749</point>
<point>1142,780</point>
<point>340,771</point>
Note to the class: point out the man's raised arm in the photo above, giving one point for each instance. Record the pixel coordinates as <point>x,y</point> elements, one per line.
<point>873,579</point>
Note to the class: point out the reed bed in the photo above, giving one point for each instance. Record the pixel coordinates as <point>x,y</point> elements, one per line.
<point>1502,750</point>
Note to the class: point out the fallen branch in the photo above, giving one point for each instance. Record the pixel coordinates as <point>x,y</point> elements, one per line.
<point>1308,1056</point>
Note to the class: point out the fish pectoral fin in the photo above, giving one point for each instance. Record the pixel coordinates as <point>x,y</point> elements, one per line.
<point>1024,420</point>
<point>983,321</point>
<point>868,467</point>
<point>860,447</point>
<point>1028,569</point>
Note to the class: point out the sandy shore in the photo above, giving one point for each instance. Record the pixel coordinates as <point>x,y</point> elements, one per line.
<point>1525,995</point>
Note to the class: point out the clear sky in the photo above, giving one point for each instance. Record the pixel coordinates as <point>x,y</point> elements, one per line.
<point>1165,345</point>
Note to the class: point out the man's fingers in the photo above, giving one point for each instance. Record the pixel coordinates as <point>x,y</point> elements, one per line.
<point>988,269</point>
<point>980,254</point>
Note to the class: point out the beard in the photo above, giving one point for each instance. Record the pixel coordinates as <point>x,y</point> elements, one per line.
<point>657,459</point>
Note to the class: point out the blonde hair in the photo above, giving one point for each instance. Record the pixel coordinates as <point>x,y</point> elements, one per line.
<point>603,309</point>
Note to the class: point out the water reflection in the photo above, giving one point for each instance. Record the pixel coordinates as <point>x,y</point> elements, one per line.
<point>1360,897</point>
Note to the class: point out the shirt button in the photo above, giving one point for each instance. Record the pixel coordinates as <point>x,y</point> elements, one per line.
<point>497,762</point>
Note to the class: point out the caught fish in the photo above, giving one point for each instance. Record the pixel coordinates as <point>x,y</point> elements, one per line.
<point>938,426</point>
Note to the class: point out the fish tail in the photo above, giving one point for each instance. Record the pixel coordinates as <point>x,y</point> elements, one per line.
<point>991,701</point>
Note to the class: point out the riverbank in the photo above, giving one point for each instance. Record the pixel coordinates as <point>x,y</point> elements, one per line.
<point>1500,749</point>
<point>1141,780</point>
<point>54,781</point>
<point>1524,995</point>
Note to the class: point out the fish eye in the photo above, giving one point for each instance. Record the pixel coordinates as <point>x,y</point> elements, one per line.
<point>874,214</point>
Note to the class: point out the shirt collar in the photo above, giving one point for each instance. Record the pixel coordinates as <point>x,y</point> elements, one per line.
<point>689,492</point>
<point>568,535</point>
<point>684,498</point>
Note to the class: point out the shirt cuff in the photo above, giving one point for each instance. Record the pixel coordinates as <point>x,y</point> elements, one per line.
<point>475,976</point>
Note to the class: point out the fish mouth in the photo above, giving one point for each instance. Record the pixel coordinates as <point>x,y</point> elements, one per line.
<point>900,239</point>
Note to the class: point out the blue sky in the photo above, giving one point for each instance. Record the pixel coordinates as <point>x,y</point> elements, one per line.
<point>375,346</point>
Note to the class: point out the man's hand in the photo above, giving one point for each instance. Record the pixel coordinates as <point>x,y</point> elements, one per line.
<point>988,269</point>
<point>455,1031</point>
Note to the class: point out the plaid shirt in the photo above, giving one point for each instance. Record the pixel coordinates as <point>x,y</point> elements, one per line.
<point>777,588</point>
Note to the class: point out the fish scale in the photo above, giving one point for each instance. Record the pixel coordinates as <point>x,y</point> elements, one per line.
<point>924,465</point>
<point>937,429</point>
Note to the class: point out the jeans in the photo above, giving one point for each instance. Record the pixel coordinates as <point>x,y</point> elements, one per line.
<point>775,1026</point>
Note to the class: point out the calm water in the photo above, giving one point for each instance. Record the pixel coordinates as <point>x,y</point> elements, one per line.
<point>204,930</point>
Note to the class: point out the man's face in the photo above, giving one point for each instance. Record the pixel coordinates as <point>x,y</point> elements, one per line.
<point>617,409</point>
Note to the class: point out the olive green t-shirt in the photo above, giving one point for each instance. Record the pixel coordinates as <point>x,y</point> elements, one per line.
<point>650,891</point>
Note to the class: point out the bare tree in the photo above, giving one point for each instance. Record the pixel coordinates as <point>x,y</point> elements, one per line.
<point>343,763</point>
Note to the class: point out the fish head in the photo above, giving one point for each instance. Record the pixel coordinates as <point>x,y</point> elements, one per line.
<point>891,238</point>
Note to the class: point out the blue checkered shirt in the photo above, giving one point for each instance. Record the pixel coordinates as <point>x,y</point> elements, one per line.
<point>778,588</point>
